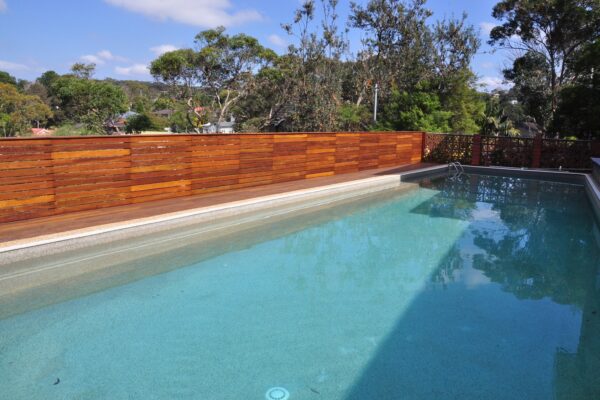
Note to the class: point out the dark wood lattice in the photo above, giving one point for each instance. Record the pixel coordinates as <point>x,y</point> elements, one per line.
<point>506,151</point>
<point>442,148</point>
<point>568,154</point>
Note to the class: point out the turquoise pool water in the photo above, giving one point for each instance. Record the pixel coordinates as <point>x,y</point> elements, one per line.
<point>472,288</point>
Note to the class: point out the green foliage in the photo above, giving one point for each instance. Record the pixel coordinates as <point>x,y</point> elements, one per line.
<point>416,111</point>
<point>462,101</point>
<point>354,118</point>
<point>47,79</point>
<point>313,70</point>
<point>550,34</point>
<point>530,75</point>
<point>578,111</point>
<point>140,123</point>
<point>5,77</point>
<point>495,122</point>
<point>141,104</point>
<point>163,103</point>
<point>223,66</point>
<point>19,111</point>
<point>91,103</point>
<point>73,130</point>
<point>83,71</point>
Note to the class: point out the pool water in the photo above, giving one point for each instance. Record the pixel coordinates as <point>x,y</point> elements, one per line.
<point>474,287</point>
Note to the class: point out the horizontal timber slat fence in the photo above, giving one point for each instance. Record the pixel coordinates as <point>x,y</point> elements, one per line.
<point>50,176</point>
<point>510,151</point>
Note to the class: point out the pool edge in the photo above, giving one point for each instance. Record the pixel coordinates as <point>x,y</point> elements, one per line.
<point>325,193</point>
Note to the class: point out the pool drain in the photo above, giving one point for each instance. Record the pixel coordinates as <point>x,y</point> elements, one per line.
<point>277,393</point>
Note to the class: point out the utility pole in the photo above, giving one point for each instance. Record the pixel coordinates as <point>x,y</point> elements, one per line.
<point>375,103</point>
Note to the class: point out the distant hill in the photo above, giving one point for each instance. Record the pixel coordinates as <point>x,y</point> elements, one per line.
<point>151,90</point>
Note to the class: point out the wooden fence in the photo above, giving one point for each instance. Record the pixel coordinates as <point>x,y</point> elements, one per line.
<point>510,151</point>
<point>49,176</point>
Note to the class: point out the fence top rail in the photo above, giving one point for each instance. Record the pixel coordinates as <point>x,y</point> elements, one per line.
<point>201,135</point>
<point>567,140</point>
<point>451,134</point>
<point>511,137</point>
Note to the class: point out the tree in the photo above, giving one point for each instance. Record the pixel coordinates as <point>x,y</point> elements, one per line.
<point>314,68</point>
<point>578,111</point>
<point>92,103</point>
<point>495,121</point>
<point>223,66</point>
<point>139,123</point>
<point>455,43</point>
<point>83,71</point>
<point>530,75</point>
<point>552,30</point>
<point>47,79</point>
<point>404,53</point>
<point>5,77</point>
<point>397,42</point>
<point>18,111</point>
<point>419,110</point>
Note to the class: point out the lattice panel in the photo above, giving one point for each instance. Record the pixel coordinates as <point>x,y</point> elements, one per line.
<point>441,148</point>
<point>568,154</point>
<point>506,151</point>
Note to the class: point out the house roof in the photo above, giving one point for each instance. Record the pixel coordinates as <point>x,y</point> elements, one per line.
<point>41,132</point>
<point>166,112</point>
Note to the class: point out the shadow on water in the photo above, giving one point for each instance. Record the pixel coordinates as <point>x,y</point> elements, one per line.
<point>513,309</point>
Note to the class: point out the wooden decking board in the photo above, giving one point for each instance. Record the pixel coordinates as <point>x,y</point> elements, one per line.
<point>31,228</point>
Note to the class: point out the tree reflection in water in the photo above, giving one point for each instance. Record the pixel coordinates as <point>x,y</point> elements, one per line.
<point>536,240</point>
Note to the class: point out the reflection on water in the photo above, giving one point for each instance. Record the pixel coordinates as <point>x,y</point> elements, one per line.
<point>537,240</point>
<point>473,288</point>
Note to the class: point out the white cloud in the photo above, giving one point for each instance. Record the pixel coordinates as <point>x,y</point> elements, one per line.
<point>92,59</point>
<point>140,70</point>
<point>163,48</point>
<point>488,65</point>
<point>203,13</point>
<point>11,66</point>
<point>105,54</point>
<point>487,27</point>
<point>101,57</point>
<point>3,6</point>
<point>490,83</point>
<point>277,40</point>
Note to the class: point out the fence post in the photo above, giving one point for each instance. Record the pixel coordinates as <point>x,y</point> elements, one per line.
<point>537,152</point>
<point>476,150</point>
<point>423,145</point>
<point>595,148</point>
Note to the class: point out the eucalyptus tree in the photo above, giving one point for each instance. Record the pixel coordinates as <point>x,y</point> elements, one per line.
<point>83,71</point>
<point>551,31</point>
<point>578,113</point>
<point>406,56</point>
<point>397,41</point>
<point>19,111</point>
<point>531,74</point>
<point>87,101</point>
<point>314,67</point>
<point>221,66</point>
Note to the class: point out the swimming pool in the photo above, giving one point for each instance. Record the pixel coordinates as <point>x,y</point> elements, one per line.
<point>476,287</point>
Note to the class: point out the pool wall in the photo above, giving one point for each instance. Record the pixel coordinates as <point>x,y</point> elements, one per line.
<point>74,259</point>
<point>30,273</point>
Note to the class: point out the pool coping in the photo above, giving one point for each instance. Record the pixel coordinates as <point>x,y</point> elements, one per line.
<point>587,180</point>
<point>325,194</point>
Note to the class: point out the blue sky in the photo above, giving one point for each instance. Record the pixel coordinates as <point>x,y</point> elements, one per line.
<point>123,36</point>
